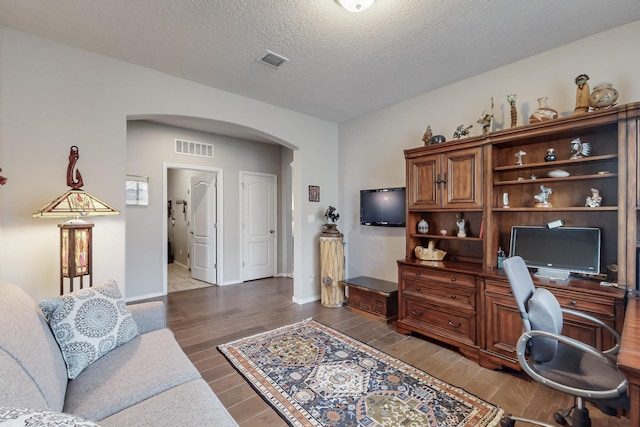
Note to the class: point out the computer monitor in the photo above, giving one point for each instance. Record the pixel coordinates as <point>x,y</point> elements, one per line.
<point>557,252</point>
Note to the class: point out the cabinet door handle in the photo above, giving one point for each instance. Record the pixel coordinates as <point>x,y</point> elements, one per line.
<point>438,181</point>
<point>455,325</point>
<point>415,313</point>
<point>444,180</point>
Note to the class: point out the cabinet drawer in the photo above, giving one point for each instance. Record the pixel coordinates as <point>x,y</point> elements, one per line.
<point>460,326</point>
<point>461,297</point>
<point>588,304</point>
<point>443,277</point>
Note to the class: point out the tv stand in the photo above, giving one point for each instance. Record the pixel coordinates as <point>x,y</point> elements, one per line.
<point>552,273</point>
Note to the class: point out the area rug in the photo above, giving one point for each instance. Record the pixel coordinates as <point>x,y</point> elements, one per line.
<point>314,375</point>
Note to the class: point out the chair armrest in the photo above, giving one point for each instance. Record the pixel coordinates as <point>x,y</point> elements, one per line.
<point>149,316</point>
<point>521,350</point>
<point>595,320</point>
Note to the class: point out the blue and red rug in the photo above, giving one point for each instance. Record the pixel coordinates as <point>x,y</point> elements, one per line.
<point>314,375</point>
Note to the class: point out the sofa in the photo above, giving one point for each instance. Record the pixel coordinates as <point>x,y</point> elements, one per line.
<point>146,381</point>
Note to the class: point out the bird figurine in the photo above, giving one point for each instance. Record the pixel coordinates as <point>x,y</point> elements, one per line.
<point>579,149</point>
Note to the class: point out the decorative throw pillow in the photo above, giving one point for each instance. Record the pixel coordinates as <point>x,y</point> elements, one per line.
<point>89,323</point>
<point>23,417</point>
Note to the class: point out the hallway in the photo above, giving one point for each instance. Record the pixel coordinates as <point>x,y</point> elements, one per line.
<point>179,279</point>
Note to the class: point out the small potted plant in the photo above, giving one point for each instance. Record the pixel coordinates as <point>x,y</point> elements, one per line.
<point>331,217</point>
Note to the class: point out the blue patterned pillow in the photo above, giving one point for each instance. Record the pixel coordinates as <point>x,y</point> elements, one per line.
<point>89,323</point>
<point>17,417</point>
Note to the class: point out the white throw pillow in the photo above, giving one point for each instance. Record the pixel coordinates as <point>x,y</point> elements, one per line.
<point>89,323</point>
<point>23,417</point>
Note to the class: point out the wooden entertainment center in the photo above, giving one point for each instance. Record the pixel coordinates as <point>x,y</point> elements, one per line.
<point>465,300</point>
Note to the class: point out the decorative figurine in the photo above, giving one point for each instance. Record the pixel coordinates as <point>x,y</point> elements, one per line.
<point>551,155</point>
<point>543,197</point>
<point>331,215</point>
<point>461,224</point>
<point>511,99</point>
<point>594,200</point>
<point>543,112</point>
<point>582,95</point>
<point>485,120</point>
<point>603,96</point>
<point>430,253</point>
<point>579,149</point>
<point>437,139</point>
<point>3,180</point>
<point>423,226</point>
<point>426,138</point>
<point>519,155</point>
<point>505,200</point>
<point>461,131</point>
<point>443,232</point>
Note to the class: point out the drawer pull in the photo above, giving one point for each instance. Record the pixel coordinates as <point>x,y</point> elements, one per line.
<point>418,273</point>
<point>415,313</point>
<point>574,303</point>
<point>454,324</point>
<point>418,289</point>
<point>453,296</point>
<point>453,279</point>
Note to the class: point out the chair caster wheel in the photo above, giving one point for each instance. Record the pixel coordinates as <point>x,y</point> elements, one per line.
<point>507,421</point>
<point>559,418</point>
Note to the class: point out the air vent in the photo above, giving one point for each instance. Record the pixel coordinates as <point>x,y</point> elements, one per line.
<point>192,148</point>
<point>273,60</point>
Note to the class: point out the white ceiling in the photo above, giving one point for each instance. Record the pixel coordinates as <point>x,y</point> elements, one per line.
<point>341,65</point>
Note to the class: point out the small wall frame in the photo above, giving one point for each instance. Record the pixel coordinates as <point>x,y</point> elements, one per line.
<point>137,190</point>
<point>314,193</point>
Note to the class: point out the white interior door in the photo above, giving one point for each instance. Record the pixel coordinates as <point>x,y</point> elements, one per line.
<point>259,232</point>
<point>204,227</point>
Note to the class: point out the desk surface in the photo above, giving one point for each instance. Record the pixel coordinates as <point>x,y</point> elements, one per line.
<point>629,355</point>
<point>369,283</point>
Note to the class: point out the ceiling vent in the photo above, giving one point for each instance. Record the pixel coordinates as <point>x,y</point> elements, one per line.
<point>273,60</point>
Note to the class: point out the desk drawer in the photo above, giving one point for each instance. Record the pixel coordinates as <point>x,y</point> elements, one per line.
<point>588,304</point>
<point>459,326</point>
<point>436,276</point>
<point>456,296</point>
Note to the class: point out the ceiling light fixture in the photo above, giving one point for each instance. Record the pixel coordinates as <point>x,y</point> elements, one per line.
<point>355,5</point>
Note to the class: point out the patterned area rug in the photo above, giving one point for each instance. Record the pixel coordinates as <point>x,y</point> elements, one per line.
<point>314,375</point>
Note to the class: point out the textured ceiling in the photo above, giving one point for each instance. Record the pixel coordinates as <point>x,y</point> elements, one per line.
<point>341,65</point>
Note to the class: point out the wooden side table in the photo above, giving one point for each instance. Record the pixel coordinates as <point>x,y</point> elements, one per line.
<point>373,297</point>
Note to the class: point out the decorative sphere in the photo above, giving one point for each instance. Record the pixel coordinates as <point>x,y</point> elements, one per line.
<point>603,96</point>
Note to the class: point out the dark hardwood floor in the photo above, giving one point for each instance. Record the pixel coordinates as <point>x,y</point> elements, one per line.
<point>203,318</point>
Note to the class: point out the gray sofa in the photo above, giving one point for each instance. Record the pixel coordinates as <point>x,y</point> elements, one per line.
<point>148,381</point>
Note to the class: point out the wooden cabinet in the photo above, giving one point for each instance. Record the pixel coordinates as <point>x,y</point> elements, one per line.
<point>449,180</point>
<point>468,179</point>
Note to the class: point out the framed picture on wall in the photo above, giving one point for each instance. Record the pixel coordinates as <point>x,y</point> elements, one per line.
<point>314,193</point>
<point>137,190</point>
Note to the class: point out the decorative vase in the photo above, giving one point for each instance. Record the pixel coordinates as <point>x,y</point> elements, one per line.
<point>423,227</point>
<point>603,96</point>
<point>551,155</point>
<point>543,112</point>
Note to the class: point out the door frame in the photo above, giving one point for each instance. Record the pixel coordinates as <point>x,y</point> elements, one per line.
<point>243,242</point>
<point>219,210</point>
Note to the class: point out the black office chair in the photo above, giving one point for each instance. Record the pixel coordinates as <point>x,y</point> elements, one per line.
<point>560,362</point>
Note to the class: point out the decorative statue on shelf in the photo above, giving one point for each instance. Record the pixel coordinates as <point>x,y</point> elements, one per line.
<point>426,138</point>
<point>331,215</point>
<point>3,180</point>
<point>519,155</point>
<point>461,224</point>
<point>511,99</point>
<point>543,197</point>
<point>430,253</point>
<point>594,200</point>
<point>461,131</point>
<point>485,120</point>
<point>582,95</point>
<point>579,149</point>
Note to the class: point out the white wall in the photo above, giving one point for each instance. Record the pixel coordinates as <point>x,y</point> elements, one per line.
<point>371,147</point>
<point>54,96</point>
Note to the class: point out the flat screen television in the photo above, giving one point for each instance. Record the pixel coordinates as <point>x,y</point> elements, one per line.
<point>383,207</point>
<point>557,252</point>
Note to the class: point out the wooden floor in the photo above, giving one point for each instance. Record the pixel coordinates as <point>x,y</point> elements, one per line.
<point>203,318</point>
